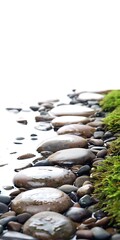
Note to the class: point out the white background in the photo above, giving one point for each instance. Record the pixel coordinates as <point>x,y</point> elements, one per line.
<point>49,47</point>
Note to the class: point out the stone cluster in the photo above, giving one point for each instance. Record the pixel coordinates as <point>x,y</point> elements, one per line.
<point>51,197</point>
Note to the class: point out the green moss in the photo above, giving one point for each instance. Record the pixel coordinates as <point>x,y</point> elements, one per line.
<point>112,121</point>
<point>110,101</point>
<point>114,148</point>
<point>107,187</point>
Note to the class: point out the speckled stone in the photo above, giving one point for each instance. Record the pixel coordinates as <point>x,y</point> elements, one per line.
<point>43,176</point>
<point>41,199</point>
<point>50,225</point>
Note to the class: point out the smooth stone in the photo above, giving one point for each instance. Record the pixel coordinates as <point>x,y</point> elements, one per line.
<point>5,199</point>
<point>41,199</point>
<point>116,236</point>
<point>26,156</point>
<point>100,233</point>
<point>102,222</point>
<point>23,217</point>
<point>85,234</point>
<point>98,134</point>
<point>96,142</point>
<point>72,110</point>
<point>4,221</point>
<point>50,225</point>
<point>78,129</point>
<point>86,189</point>
<point>80,180</point>
<point>1,229</point>
<point>60,142</point>
<point>72,156</point>
<point>3,207</point>
<point>83,170</point>
<point>86,96</point>
<point>10,235</point>
<point>68,188</point>
<point>65,120</point>
<point>77,214</point>
<point>43,176</point>
<point>102,153</point>
<point>14,226</point>
<point>85,201</point>
<point>43,126</point>
<point>96,123</point>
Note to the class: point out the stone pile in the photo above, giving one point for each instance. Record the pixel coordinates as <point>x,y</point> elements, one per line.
<point>52,195</point>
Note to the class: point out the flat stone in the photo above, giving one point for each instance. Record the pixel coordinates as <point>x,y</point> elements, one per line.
<point>43,176</point>
<point>71,156</point>
<point>49,226</point>
<point>86,96</point>
<point>60,142</point>
<point>78,129</point>
<point>41,199</point>
<point>72,110</point>
<point>64,120</point>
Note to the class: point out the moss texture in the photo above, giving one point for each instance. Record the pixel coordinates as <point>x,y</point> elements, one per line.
<point>107,187</point>
<point>112,121</point>
<point>114,147</point>
<point>111,101</point>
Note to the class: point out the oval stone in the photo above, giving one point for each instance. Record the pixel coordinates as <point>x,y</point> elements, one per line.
<point>43,176</point>
<point>86,96</point>
<point>41,199</point>
<point>72,156</point>
<point>78,129</point>
<point>64,120</point>
<point>72,110</point>
<point>50,226</point>
<point>60,142</point>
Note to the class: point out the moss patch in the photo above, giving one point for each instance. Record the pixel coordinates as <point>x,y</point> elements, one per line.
<point>114,148</point>
<point>112,120</point>
<point>111,101</point>
<point>107,187</point>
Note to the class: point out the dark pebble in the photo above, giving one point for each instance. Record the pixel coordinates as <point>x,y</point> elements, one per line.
<point>99,214</point>
<point>98,134</point>
<point>77,214</point>
<point>83,170</point>
<point>3,207</point>
<point>85,201</point>
<point>5,199</point>
<point>43,162</point>
<point>102,153</point>
<point>23,217</point>
<point>1,229</point>
<point>4,221</point>
<point>100,234</point>
<point>73,196</point>
<point>11,235</point>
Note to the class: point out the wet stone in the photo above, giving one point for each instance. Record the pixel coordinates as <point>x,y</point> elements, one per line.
<point>43,126</point>
<point>5,199</point>
<point>83,170</point>
<point>65,120</point>
<point>26,156</point>
<point>10,235</point>
<point>4,221</point>
<point>72,156</point>
<point>77,214</point>
<point>49,226</point>
<point>14,226</point>
<point>23,217</point>
<point>3,207</point>
<point>60,142</point>
<point>85,234</point>
<point>41,199</point>
<point>78,129</point>
<point>98,134</point>
<point>85,201</point>
<point>72,110</point>
<point>68,188</point>
<point>86,189</point>
<point>80,180</point>
<point>100,234</point>
<point>86,96</point>
<point>43,176</point>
